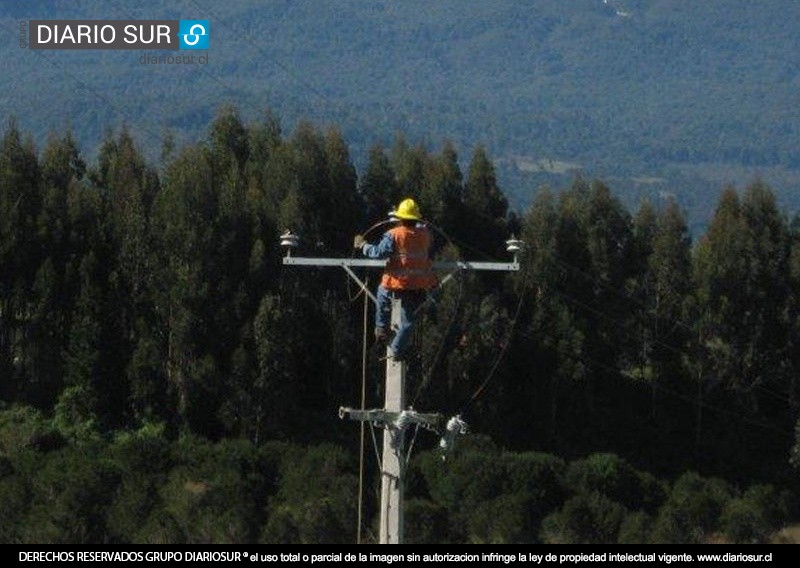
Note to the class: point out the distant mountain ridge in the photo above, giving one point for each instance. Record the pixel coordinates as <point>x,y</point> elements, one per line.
<point>653,96</point>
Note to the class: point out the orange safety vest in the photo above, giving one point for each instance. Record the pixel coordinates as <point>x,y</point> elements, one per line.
<point>409,267</point>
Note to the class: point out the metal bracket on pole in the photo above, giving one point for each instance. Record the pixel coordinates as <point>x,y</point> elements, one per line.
<point>441,265</point>
<point>389,419</point>
<point>361,284</point>
<point>291,241</point>
<point>453,266</point>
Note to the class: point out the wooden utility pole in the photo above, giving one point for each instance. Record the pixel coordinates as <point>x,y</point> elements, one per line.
<point>394,417</point>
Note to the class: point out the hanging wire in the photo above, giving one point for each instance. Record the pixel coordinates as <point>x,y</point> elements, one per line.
<point>363,406</point>
<point>509,336</point>
<point>430,298</point>
<point>500,355</point>
<point>426,376</point>
<point>677,322</point>
<point>352,254</point>
<point>446,334</point>
<point>659,387</point>
<point>679,351</point>
<point>411,447</point>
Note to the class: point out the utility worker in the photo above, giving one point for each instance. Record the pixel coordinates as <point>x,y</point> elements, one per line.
<point>408,274</point>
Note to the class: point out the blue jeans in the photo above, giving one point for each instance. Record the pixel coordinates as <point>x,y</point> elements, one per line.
<point>410,301</point>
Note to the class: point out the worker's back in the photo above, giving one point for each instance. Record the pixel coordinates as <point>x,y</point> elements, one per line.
<point>409,267</point>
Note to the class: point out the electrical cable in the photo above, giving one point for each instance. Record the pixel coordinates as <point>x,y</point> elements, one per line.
<point>432,367</point>
<point>100,96</point>
<point>352,255</point>
<point>426,376</point>
<point>501,354</point>
<point>363,407</point>
<point>617,292</point>
<point>586,360</point>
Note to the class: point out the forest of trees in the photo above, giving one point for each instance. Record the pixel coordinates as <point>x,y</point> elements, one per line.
<point>676,96</point>
<point>163,378</point>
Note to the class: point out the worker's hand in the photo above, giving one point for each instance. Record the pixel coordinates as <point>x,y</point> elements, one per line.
<point>358,241</point>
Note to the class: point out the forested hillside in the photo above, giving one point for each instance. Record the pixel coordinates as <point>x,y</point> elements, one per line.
<point>166,379</point>
<point>659,96</point>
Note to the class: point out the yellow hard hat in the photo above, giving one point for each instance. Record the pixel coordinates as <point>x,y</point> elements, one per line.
<point>408,210</point>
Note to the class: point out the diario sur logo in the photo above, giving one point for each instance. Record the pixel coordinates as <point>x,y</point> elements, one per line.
<point>193,34</point>
<point>119,34</point>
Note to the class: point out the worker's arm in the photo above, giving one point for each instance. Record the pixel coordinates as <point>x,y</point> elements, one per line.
<point>383,249</point>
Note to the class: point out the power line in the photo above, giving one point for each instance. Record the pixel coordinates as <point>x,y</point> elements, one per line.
<point>255,42</point>
<point>512,329</point>
<point>678,322</point>
<point>590,362</point>
<point>604,314</point>
<point>100,96</point>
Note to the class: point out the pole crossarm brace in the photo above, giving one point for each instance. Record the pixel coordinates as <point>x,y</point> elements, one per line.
<point>443,265</point>
<point>400,420</point>
<point>450,266</point>
<point>291,241</point>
